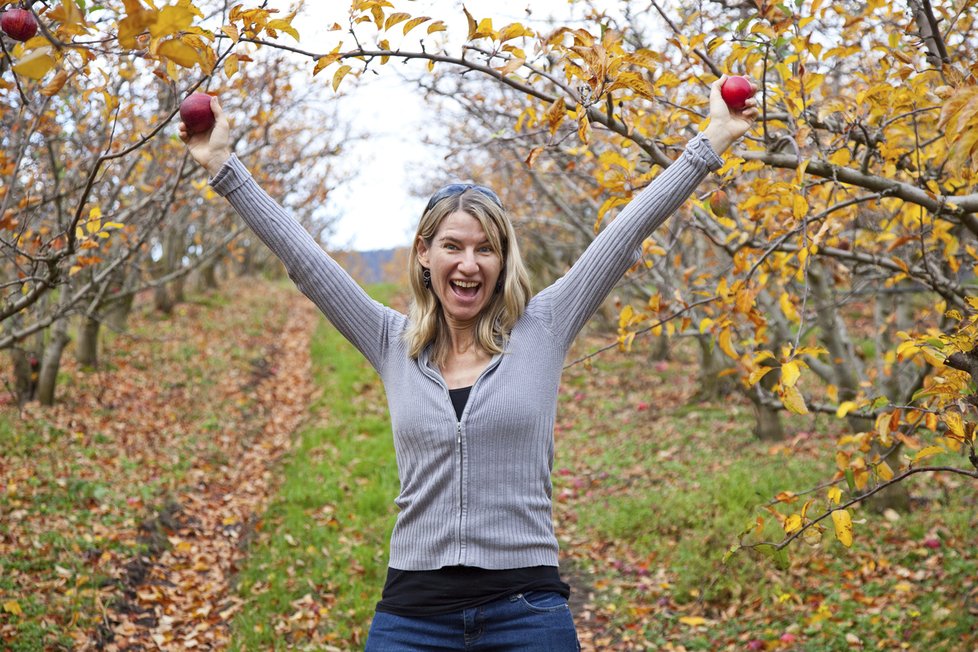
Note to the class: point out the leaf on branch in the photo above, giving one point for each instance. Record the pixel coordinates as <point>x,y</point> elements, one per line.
<point>635,82</point>
<point>845,408</point>
<point>338,76</point>
<point>325,61</point>
<point>171,20</point>
<point>929,451</point>
<point>778,555</point>
<point>532,156</point>
<point>56,84</point>
<point>414,22</point>
<point>231,65</point>
<point>790,373</point>
<point>843,526</point>
<point>511,66</point>
<point>793,523</point>
<point>231,31</point>
<point>514,30</point>
<point>792,399</point>
<point>835,495</point>
<point>178,52</point>
<point>473,26</point>
<point>395,18</point>
<point>283,25</point>
<point>35,64</point>
<point>437,26</point>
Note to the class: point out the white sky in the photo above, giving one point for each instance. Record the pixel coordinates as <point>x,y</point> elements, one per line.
<point>376,208</point>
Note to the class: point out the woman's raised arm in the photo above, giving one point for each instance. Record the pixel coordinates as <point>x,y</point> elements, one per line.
<point>366,323</point>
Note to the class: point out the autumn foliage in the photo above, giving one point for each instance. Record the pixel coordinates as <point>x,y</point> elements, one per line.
<point>829,268</point>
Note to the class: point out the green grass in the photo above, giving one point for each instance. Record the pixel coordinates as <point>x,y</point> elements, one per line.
<point>326,533</point>
<point>664,492</point>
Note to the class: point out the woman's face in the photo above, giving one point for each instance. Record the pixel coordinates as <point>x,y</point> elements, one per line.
<point>464,267</point>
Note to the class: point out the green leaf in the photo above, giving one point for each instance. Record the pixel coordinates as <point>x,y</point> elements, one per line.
<point>851,480</point>
<point>778,556</point>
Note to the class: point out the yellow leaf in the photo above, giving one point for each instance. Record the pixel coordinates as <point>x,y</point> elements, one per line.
<point>835,495</point>
<point>757,374</point>
<point>284,25</point>
<point>325,61</point>
<point>338,76</point>
<point>231,65</point>
<point>55,85</point>
<point>12,607</point>
<point>178,52</point>
<point>929,451</point>
<point>884,471</point>
<point>171,20</point>
<point>473,26</point>
<point>790,374</point>
<point>437,26</point>
<point>788,308</point>
<point>395,18</point>
<point>726,345</point>
<point>35,64</point>
<point>792,523</point>
<point>843,526</point>
<point>414,22</point>
<point>793,400</point>
<point>954,423</point>
<point>705,325</point>
<point>693,621</point>
<point>232,32</point>
<point>845,408</point>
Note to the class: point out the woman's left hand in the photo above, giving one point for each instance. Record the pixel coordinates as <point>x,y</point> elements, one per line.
<point>726,124</point>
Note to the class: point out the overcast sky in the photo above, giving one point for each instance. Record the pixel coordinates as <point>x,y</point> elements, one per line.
<point>377,209</point>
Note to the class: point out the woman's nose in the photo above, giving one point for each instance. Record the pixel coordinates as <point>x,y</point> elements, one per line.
<point>468,261</point>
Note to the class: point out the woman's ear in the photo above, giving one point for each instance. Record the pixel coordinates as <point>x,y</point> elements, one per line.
<point>422,249</point>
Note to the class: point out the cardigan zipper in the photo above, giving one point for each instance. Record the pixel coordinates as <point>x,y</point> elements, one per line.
<point>461,485</point>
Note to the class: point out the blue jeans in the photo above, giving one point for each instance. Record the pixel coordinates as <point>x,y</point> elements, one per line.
<point>536,621</point>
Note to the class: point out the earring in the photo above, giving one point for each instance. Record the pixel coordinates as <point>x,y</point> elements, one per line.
<point>426,277</point>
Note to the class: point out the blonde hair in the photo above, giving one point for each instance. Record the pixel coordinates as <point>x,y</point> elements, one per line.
<point>427,324</point>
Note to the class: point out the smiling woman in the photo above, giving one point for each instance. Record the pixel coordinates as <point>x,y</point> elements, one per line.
<point>472,375</point>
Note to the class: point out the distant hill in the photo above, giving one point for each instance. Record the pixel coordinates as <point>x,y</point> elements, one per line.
<point>376,266</point>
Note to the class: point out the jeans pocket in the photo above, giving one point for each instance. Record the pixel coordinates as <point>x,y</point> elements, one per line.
<point>543,602</point>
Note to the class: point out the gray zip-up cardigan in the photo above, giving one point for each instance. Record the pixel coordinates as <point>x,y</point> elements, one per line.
<point>475,491</point>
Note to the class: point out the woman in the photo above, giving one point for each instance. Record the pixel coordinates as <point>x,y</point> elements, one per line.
<point>471,378</point>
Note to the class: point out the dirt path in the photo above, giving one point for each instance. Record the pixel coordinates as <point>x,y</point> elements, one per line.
<point>181,597</point>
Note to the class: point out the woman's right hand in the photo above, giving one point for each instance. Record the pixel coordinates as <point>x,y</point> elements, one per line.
<point>211,148</point>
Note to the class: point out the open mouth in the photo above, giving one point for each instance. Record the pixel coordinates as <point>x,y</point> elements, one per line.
<point>466,289</point>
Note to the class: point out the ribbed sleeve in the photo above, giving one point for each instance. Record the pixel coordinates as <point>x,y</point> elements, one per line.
<point>573,299</point>
<point>362,320</point>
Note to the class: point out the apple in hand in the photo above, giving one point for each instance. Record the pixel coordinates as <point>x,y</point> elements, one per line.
<point>19,24</point>
<point>195,111</point>
<point>736,91</point>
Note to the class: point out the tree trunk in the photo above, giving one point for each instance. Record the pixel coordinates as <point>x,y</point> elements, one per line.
<point>712,385</point>
<point>51,362</point>
<point>117,314</point>
<point>767,421</point>
<point>87,351</point>
<point>660,351</point>
<point>208,275</point>
<point>162,301</point>
<point>177,288</point>
<point>25,367</point>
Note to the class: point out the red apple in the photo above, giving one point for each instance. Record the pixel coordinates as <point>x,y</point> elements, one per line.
<point>195,111</point>
<point>736,91</point>
<point>19,24</point>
